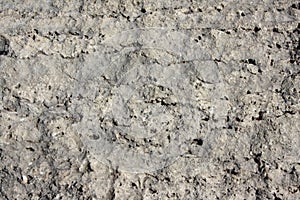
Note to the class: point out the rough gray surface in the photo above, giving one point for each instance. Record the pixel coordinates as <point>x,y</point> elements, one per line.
<point>149,99</point>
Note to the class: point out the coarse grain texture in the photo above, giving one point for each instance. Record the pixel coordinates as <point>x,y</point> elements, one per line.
<point>136,99</point>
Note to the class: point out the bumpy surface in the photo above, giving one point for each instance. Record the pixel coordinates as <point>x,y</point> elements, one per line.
<point>149,99</point>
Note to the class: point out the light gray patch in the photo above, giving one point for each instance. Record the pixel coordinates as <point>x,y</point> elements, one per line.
<point>150,115</point>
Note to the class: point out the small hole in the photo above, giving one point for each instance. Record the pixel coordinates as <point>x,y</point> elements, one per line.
<point>198,142</point>
<point>278,46</point>
<point>256,29</point>
<point>252,61</point>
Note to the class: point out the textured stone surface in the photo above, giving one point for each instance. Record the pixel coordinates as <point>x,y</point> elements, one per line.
<point>149,99</point>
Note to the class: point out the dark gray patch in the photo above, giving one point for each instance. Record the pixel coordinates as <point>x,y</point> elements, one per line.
<point>4,46</point>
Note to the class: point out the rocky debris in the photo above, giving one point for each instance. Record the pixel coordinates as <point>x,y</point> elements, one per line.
<point>149,99</point>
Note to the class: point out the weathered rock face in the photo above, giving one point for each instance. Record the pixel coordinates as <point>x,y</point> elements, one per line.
<point>149,99</point>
